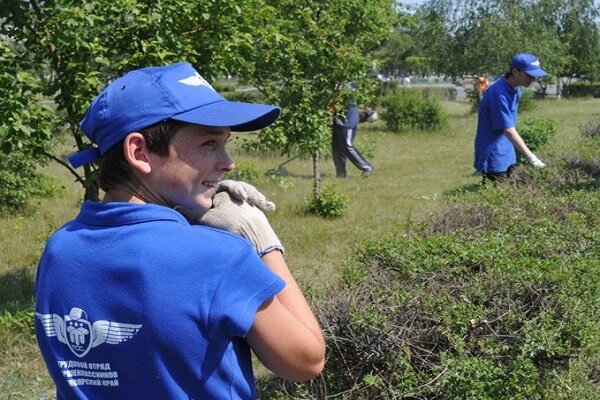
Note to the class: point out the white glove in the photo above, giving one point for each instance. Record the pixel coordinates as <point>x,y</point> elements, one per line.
<point>246,192</point>
<point>234,215</point>
<point>535,162</point>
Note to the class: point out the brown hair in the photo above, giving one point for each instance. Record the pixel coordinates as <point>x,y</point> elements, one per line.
<point>114,169</point>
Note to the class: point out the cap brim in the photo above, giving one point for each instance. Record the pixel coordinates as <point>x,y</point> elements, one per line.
<point>536,73</point>
<point>240,117</point>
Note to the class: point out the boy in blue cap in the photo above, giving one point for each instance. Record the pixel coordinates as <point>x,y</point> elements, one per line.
<point>497,136</point>
<point>133,301</point>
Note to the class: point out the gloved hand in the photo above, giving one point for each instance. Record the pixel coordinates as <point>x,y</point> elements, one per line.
<point>234,215</point>
<point>535,162</point>
<point>246,192</point>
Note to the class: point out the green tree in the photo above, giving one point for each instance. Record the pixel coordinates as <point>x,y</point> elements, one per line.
<point>75,48</point>
<point>300,55</point>
<point>473,36</point>
<point>400,53</point>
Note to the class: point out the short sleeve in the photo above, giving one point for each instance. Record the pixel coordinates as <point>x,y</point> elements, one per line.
<point>244,287</point>
<point>502,115</point>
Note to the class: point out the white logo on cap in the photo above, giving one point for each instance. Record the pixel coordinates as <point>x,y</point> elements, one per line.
<point>196,80</point>
<point>535,63</point>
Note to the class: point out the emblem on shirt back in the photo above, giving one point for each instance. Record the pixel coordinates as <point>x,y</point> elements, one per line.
<point>80,335</point>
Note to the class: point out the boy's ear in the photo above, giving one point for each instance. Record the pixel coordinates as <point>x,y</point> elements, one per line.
<point>136,152</point>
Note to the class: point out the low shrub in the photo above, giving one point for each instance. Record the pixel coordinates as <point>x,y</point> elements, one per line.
<point>440,93</point>
<point>527,101</point>
<point>244,171</point>
<point>473,99</point>
<point>590,129</point>
<point>495,298</point>
<point>537,132</point>
<point>491,310</point>
<point>329,204</point>
<point>407,109</point>
<point>582,89</point>
<point>248,96</point>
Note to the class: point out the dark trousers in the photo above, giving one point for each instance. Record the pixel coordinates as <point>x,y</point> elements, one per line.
<point>342,149</point>
<point>499,177</point>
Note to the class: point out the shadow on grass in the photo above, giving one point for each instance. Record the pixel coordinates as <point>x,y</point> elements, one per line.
<point>16,290</point>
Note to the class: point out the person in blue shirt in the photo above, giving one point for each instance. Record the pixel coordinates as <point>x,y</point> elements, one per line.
<point>497,139</point>
<point>135,302</point>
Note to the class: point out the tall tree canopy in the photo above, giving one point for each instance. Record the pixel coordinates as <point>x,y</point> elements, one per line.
<point>473,36</point>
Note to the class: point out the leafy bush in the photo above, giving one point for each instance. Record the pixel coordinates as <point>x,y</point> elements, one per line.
<point>473,99</point>
<point>244,171</point>
<point>591,129</point>
<point>441,93</point>
<point>407,109</point>
<point>27,134</point>
<point>329,204</point>
<point>473,311</point>
<point>537,132</point>
<point>495,298</point>
<point>249,96</point>
<point>526,102</point>
<point>582,89</point>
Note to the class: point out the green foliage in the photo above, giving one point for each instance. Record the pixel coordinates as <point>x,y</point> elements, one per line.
<point>536,132</point>
<point>591,129</point>
<point>329,204</point>
<point>526,102</point>
<point>475,378</point>
<point>473,99</point>
<point>407,109</point>
<point>247,96</point>
<point>463,38</point>
<point>582,89</point>
<point>28,134</point>
<point>440,93</point>
<point>17,322</point>
<point>300,55</point>
<point>496,298</point>
<point>244,171</point>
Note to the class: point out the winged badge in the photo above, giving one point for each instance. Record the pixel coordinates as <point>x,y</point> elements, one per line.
<point>80,335</point>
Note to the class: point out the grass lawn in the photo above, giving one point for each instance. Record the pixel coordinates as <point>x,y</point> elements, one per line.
<point>413,174</point>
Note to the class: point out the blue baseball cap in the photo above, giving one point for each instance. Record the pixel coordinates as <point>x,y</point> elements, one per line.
<point>529,64</point>
<point>146,96</point>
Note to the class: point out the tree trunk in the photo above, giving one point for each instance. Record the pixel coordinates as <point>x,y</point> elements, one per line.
<point>316,158</point>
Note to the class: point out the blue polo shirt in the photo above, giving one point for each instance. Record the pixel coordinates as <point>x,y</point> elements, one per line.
<point>133,302</point>
<point>494,152</point>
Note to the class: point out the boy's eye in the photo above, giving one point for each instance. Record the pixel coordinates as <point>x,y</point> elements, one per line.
<point>210,143</point>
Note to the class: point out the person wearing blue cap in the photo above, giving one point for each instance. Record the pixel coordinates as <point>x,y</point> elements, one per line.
<point>497,136</point>
<point>162,289</point>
